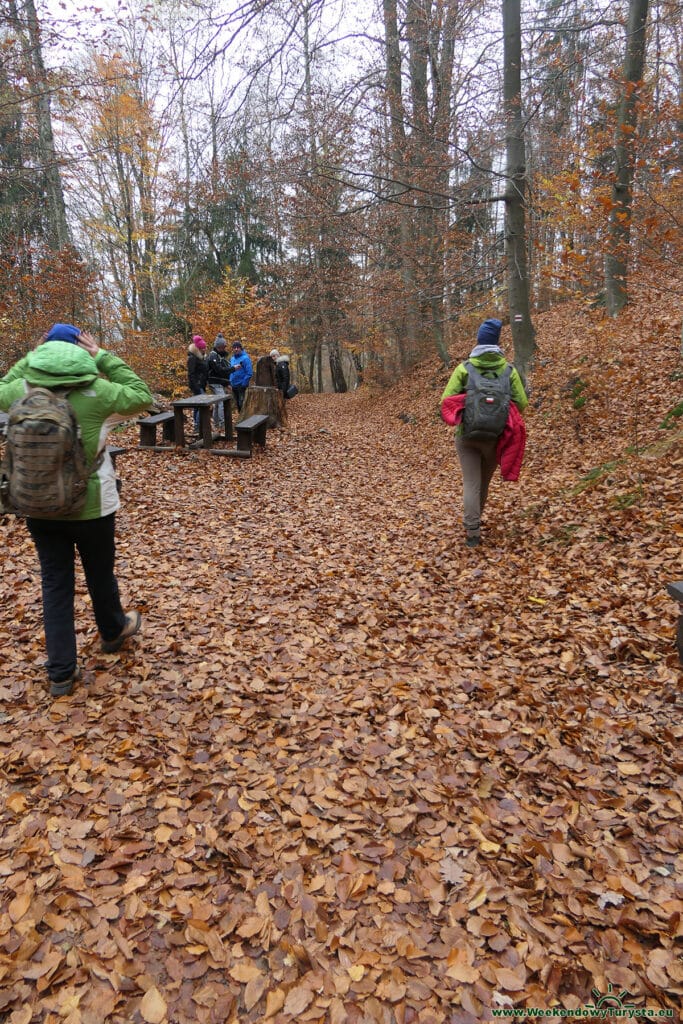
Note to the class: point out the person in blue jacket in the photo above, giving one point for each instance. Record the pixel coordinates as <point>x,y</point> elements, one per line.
<point>241,372</point>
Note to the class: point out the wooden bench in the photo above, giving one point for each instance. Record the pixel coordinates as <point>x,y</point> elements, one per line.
<point>113,450</point>
<point>249,432</point>
<point>675,590</point>
<point>148,429</point>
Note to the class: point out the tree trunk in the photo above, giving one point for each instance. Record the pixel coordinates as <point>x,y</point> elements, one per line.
<point>516,189</point>
<point>336,369</point>
<point>320,242</point>
<point>441,135</point>
<point>58,234</point>
<point>404,239</point>
<point>619,233</point>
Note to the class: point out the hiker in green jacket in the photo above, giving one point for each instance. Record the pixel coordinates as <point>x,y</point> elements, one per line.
<point>102,390</point>
<point>478,458</point>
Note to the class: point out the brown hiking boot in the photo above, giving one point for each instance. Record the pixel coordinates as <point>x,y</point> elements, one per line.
<point>132,626</point>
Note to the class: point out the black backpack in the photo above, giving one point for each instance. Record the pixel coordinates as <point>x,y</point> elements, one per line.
<point>487,404</point>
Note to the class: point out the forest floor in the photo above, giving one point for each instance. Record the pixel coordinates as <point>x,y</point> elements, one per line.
<point>352,771</point>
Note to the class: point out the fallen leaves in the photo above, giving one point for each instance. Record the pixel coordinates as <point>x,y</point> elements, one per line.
<point>359,773</point>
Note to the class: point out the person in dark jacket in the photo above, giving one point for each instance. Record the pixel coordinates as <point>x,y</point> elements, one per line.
<point>265,376</point>
<point>218,369</point>
<point>197,370</point>
<point>282,375</point>
<point>478,459</point>
<point>240,372</point>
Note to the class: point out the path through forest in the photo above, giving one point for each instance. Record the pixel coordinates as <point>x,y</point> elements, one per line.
<point>352,770</point>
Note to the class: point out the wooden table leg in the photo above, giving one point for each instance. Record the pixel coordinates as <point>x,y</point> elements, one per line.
<point>676,591</point>
<point>206,426</point>
<point>179,423</point>
<point>227,413</point>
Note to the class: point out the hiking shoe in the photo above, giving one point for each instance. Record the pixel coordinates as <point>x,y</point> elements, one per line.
<point>473,540</point>
<point>133,623</point>
<point>65,687</point>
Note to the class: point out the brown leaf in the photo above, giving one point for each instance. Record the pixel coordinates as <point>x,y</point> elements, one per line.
<point>16,802</point>
<point>297,1000</point>
<point>153,1006</point>
<point>511,981</point>
<point>244,971</point>
<point>275,1000</point>
<point>19,906</point>
<point>254,990</point>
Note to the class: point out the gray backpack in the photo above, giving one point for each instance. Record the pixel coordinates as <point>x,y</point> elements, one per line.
<point>487,404</point>
<point>45,471</point>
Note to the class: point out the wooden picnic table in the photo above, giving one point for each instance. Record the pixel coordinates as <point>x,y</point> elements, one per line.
<point>676,591</point>
<point>205,404</point>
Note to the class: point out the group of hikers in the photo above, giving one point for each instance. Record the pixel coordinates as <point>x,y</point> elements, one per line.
<point>218,370</point>
<point>68,392</point>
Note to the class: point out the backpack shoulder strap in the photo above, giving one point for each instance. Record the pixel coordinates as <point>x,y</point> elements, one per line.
<point>471,368</point>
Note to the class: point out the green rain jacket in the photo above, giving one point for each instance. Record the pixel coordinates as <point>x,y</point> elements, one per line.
<point>104,391</point>
<point>488,363</point>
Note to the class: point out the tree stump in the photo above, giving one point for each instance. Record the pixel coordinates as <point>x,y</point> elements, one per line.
<point>265,402</point>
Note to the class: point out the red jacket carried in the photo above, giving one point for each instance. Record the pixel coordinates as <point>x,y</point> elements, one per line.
<point>511,443</point>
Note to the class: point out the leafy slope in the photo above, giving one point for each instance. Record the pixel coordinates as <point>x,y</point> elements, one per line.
<point>353,771</point>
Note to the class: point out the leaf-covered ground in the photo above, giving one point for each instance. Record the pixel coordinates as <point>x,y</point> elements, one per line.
<point>352,771</point>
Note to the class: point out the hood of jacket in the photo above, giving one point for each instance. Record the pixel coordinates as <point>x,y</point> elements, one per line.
<point>58,364</point>
<point>194,351</point>
<point>283,359</point>
<point>489,361</point>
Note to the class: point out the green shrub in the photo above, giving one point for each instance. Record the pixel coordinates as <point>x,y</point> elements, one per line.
<point>669,421</point>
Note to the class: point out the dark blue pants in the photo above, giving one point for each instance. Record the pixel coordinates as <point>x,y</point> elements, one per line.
<point>57,541</point>
<point>195,412</point>
<point>239,391</point>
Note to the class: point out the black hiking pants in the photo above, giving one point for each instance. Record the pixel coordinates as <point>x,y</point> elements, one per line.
<point>57,541</point>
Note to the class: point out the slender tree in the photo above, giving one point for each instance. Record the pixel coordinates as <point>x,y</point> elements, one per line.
<point>28,30</point>
<point>516,190</point>
<point>621,211</point>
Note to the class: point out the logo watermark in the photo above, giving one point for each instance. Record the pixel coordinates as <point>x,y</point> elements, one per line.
<point>610,1006</point>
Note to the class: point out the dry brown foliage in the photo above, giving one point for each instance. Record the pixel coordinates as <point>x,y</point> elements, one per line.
<point>352,771</point>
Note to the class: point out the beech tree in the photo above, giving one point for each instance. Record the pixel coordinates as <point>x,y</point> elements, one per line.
<point>24,20</point>
<point>625,147</point>
<point>516,191</point>
<point>419,102</point>
<point>348,165</point>
<point>121,190</point>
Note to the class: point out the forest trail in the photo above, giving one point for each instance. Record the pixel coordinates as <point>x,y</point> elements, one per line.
<point>352,770</point>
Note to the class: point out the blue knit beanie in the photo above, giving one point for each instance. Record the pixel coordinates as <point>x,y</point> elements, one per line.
<point>489,332</point>
<point>64,332</point>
